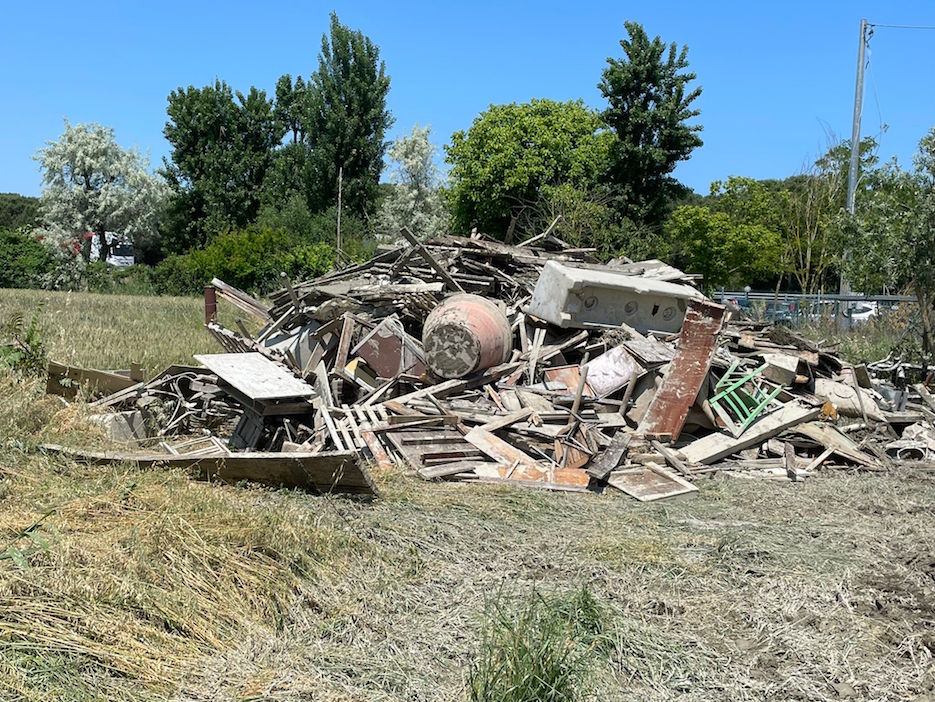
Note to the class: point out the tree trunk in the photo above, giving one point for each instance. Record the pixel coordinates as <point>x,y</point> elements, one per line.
<point>86,248</point>
<point>927,314</point>
<point>104,248</point>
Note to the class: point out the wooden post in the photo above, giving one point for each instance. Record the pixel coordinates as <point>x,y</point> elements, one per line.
<point>340,180</point>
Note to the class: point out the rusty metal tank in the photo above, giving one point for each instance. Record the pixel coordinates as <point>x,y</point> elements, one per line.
<point>465,334</point>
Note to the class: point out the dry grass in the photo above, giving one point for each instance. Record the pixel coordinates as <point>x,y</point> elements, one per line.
<point>111,331</point>
<point>146,585</point>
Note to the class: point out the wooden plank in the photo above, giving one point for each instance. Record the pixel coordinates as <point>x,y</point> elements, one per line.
<point>670,457</point>
<point>333,471</point>
<point>450,387</point>
<point>256,376</point>
<point>720,445</point>
<point>925,395</point>
<point>650,351</point>
<point>687,372</point>
<point>828,436</point>
<point>93,380</point>
<point>610,457</point>
<point>506,420</point>
<point>500,450</point>
<point>649,483</point>
<point>424,252</point>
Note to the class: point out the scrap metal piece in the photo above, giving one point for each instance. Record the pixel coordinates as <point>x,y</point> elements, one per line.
<point>687,372</point>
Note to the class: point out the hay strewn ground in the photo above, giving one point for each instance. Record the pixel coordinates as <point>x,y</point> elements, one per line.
<point>146,585</point>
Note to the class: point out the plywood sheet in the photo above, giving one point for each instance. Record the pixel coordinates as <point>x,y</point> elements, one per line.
<point>256,376</point>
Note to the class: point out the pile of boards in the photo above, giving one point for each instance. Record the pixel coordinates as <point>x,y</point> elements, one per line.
<point>620,374</point>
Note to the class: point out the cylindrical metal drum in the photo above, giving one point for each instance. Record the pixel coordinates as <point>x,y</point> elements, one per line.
<point>464,334</point>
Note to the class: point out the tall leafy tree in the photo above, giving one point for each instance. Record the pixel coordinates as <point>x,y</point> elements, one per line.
<point>348,119</point>
<point>650,109</point>
<point>291,177</point>
<point>222,147</point>
<point>416,200</point>
<point>507,167</point>
<point>92,185</point>
<point>892,240</point>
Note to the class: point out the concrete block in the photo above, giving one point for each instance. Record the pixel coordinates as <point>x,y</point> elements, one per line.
<point>121,426</point>
<point>582,298</point>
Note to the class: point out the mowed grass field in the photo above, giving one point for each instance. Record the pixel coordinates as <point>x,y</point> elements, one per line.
<point>123,584</point>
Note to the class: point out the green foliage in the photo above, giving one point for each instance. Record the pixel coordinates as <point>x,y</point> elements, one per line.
<point>23,260</point>
<point>21,347</point>
<point>722,250</point>
<point>251,259</point>
<point>101,277</point>
<point>18,211</point>
<point>537,654</point>
<point>892,241</point>
<point>505,164</point>
<point>222,148</point>
<point>348,119</point>
<point>650,107</point>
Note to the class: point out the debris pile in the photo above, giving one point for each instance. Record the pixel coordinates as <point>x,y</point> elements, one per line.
<point>468,359</point>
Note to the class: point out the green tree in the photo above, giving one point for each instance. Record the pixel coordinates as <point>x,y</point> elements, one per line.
<point>650,106</point>
<point>291,173</point>
<point>18,211</point>
<point>348,119</point>
<point>507,166</point>
<point>722,250</point>
<point>892,240</point>
<point>416,200</point>
<point>91,184</point>
<point>222,148</point>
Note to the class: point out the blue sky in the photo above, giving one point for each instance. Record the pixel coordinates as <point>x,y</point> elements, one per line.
<point>777,77</point>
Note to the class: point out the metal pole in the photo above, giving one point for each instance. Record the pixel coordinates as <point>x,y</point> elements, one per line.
<point>340,179</point>
<point>855,138</point>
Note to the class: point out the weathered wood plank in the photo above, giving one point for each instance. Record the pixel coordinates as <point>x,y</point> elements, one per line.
<point>610,457</point>
<point>687,372</point>
<point>333,471</point>
<point>720,445</point>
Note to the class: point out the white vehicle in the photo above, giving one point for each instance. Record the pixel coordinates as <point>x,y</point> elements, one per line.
<point>121,251</point>
<point>861,312</point>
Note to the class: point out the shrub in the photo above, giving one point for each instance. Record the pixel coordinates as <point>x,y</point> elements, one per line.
<point>100,277</point>
<point>250,259</point>
<point>23,260</point>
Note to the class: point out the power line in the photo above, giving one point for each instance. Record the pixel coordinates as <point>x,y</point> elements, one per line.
<point>904,26</point>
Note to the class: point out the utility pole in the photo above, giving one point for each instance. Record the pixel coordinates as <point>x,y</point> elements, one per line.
<point>855,138</point>
<point>340,179</point>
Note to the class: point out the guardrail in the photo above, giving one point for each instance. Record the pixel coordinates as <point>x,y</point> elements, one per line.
<point>799,297</point>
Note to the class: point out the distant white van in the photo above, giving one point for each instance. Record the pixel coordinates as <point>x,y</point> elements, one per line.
<point>121,251</point>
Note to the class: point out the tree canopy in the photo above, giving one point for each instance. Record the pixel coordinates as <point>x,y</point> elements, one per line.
<point>507,165</point>
<point>93,185</point>
<point>650,108</point>
<point>348,119</point>
<point>222,147</point>
<point>416,200</point>
<point>18,211</point>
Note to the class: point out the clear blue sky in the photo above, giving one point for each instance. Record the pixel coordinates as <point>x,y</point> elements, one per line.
<point>776,76</point>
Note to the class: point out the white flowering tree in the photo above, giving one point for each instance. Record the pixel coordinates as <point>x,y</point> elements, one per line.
<point>416,200</point>
<point>92,185</point>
